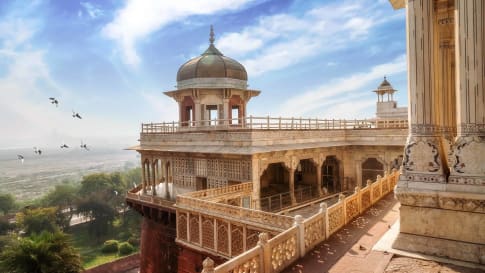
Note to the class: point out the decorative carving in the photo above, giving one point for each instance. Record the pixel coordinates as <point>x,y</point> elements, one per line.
<point>251,238</point>
<point>468,155</point>
<point>182,226</point>
<point>222,237</point>
<point>365,199</point>
<point>314,231</point>
<point>237,240</point>
<point>283,252</point>
<point>421,154</point>
<point>194,229</point>
<point>455,203</point>
<point>208,232</point>
<point>335,218</point>
<point>351,208</point>
<point>250,266</point>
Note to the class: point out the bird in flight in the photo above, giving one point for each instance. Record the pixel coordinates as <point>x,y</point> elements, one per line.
<point>64,145</point>
<point>54,101</point>
<point>84,146</point>
<point>21,158</point>
<point>76,115</point>
<point>37,151</point>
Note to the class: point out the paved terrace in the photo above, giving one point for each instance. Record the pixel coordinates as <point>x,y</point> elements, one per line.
<point>265,134</point>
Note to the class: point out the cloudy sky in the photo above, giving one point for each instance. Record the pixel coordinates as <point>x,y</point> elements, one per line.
<point>111,60</point>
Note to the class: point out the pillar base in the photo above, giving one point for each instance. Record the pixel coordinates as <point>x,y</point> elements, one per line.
<point>443,224</point>
<point>439,247</point>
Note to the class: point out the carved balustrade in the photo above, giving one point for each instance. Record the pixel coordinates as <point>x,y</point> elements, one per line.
<point>270,123</point>
<point>271,256</point>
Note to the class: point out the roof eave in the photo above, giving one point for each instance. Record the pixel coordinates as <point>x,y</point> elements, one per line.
<point>398,4</point>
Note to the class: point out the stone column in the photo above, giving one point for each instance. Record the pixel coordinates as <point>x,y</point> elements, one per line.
<point>225,109</point>
<point>165,173</point>
<point>423,151</point>
<point>257,171</point>
<point>444,77</point>
<point>469,149</point>
<point>319,178</point>
<point>143,174</point>
<point>292,185</point>
<point>198,112</point>
<point>153,178</point>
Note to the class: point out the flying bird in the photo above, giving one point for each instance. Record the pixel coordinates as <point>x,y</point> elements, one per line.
<point>64,145</point>
<point>21,158</point>
<point>84,146</point>
<point>54,101</point>
<point>37,151</point>
<point>76,115</point>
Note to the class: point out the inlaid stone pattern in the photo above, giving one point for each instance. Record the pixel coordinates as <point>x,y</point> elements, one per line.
<point>469,156</point>
<point>421,155</point>
<point>250,266</point>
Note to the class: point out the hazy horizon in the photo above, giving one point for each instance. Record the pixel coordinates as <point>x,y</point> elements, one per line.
<point>110,63</point>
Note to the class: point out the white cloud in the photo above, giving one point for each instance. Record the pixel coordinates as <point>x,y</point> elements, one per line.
<point>137,19</point>
<point>92,10</point>
<point>338,92</point>
<point>164,106</point>
<point>278,41</point>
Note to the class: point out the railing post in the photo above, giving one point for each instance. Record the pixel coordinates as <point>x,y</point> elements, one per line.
<point>266,255</point>
<point>251,121</point>
<point>279,123</point>
<point>300,234</point>
<point>267,123</point>
<point>323,211</point>
<point>208,265</point>
<point>341,199</point>
<point>292,120</point>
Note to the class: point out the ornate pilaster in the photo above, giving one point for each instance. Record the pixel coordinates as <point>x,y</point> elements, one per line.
<point>423,152</point>
<point>469,149</point>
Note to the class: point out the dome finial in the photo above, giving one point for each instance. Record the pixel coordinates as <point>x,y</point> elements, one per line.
<point>385,77</point>
<point>211,39</point>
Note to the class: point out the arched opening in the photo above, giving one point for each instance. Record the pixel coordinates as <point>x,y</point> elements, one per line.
<point>187,112</point>
<point>236,110</point>
<point>274,193</point>
<point>305,180</point>
<point>371,168</point>
<point>330,175</point>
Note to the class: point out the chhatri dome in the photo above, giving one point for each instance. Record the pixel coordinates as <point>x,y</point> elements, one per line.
<point>212,64</point>
<point>212,86</point>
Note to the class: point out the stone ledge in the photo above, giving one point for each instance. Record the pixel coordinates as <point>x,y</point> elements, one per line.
<point>469,252</point>
<point>459,201</point>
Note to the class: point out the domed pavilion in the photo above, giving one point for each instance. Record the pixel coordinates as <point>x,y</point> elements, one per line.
<point>212,87</point>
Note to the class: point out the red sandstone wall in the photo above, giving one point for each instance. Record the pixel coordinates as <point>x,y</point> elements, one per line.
<point>117,266</point>
<point>158,250</point>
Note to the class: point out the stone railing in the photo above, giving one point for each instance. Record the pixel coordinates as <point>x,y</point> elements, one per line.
<point>242,188</point>
<point>134,195</point>
<point>272,256</point>
<point>269,123</point>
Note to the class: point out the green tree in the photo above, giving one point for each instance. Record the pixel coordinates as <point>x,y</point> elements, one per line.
<point>64,197</point>
<point>101,213</point>
<point>43,253</point>
<point>37,220</point>
<point>7,203</point>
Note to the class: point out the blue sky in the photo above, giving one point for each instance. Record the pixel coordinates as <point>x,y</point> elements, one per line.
<point>111,60</point>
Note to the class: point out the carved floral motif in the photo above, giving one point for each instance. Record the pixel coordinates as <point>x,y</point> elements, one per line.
<point>283,253</point>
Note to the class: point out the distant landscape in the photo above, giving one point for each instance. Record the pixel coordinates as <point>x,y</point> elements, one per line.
<point>40,173</point>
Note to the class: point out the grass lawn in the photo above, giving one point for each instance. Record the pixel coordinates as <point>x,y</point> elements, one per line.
<point>90,249</point>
